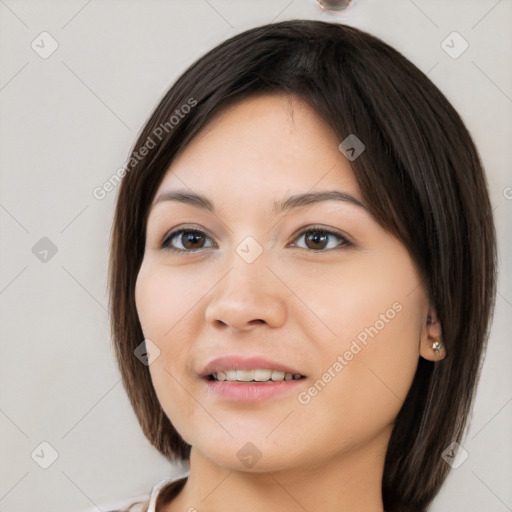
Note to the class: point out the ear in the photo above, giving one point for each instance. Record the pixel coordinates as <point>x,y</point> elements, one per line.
<point>431,339</point>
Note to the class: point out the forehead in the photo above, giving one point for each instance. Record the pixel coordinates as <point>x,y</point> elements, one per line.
<point>259,148</point>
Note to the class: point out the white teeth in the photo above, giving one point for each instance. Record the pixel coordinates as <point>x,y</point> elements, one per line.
<point>257,375</point>
<point>277,375</point>
<point>262,375</point>
<point>245,375</point>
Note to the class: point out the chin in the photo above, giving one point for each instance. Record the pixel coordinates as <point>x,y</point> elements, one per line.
<point>253,454</point>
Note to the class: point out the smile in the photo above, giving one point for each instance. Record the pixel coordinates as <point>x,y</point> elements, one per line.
<point>256,375</point>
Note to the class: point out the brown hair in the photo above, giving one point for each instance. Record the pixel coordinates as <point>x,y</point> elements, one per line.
<point>420,175</point>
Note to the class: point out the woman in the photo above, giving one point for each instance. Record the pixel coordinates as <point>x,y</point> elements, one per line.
<point>302,276</point>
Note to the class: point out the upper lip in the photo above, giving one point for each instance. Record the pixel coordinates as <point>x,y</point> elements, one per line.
<point>233,362</point>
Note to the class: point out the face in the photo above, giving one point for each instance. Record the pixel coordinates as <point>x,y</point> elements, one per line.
<point>313,287</point>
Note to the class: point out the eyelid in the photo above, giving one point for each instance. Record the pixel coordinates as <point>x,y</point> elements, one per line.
<point>345,241</point>
<point>185,228</point>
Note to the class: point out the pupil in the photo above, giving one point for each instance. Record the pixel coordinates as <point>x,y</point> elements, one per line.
<point>190,238</point>
<point>317,238</point>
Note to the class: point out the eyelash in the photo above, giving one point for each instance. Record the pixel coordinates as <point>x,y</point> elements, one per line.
<point>345,243</point>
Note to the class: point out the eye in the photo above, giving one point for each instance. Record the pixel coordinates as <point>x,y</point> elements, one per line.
<point>188,240</point>
<point>317,239</point>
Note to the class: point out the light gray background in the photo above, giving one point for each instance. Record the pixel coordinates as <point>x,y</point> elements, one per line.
<point>67,123</point>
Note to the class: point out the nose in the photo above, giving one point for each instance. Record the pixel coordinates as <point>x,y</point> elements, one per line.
<point>249,294</point>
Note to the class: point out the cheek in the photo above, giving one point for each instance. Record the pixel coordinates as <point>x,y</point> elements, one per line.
<point>369,353</point>
<point>167,300</point>
<point>165,297</point>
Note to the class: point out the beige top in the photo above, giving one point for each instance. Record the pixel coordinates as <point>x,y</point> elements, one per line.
<point>166,489</point>
<point>162,492</point>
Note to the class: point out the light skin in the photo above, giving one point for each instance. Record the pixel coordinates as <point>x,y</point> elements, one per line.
<point>302,301</point>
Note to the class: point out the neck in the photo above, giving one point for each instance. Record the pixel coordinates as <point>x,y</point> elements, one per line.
<point>350,481</point>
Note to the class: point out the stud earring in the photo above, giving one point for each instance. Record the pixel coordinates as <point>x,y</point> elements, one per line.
<point>437,346</point>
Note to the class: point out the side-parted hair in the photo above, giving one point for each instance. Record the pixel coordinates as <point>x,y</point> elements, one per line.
<point>420,176</point>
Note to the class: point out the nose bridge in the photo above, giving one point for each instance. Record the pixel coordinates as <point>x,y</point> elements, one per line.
<point>249,291</point>
<point>248,277</point>
<point>250,257</point>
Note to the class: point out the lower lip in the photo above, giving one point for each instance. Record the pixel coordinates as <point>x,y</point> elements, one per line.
<point>251,392</point>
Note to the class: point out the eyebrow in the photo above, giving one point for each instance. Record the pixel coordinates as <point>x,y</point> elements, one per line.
<point>291,203</point>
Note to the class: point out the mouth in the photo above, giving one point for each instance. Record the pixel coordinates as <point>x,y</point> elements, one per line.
<point>256,376</point>
<point>238,378</point>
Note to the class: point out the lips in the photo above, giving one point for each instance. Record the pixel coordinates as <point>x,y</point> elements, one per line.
<point>229,363</point>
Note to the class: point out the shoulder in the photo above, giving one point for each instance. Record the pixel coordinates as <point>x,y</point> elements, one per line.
<point>167,492</point>
<point>163,491</point>
<point>135,504</point>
